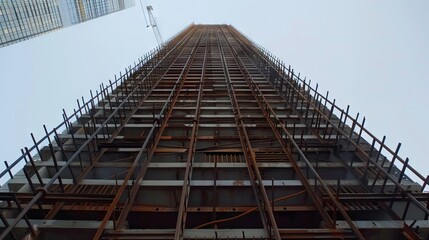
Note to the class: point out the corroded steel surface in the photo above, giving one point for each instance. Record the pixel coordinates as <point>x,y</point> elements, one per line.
<point>211,137</point>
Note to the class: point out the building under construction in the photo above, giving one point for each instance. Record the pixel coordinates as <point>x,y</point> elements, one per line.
<point>211,137</point>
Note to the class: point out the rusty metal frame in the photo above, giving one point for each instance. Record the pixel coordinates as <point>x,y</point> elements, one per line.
<point>264,205</point>
<point>269,114</point>
<point>45,190</point>
<point>284,128</point>
<point>290,80</point>
<point>137,162</point>
<point>162,119</point>
<point>184,197</point>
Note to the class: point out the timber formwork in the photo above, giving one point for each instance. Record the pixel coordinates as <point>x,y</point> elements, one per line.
<point>211,137</point>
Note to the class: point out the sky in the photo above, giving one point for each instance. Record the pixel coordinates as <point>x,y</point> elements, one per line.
<point>371,55</point>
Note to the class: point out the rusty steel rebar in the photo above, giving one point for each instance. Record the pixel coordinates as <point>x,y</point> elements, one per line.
<point>212,136</point>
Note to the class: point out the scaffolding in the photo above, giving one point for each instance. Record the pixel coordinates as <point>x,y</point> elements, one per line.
<point>211,137</point>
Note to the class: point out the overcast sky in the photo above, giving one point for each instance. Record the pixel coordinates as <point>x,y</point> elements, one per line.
<point>373,55</point>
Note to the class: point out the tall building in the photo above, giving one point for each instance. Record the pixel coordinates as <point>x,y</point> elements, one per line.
<point>211,137</point>
<point>24,19</point>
